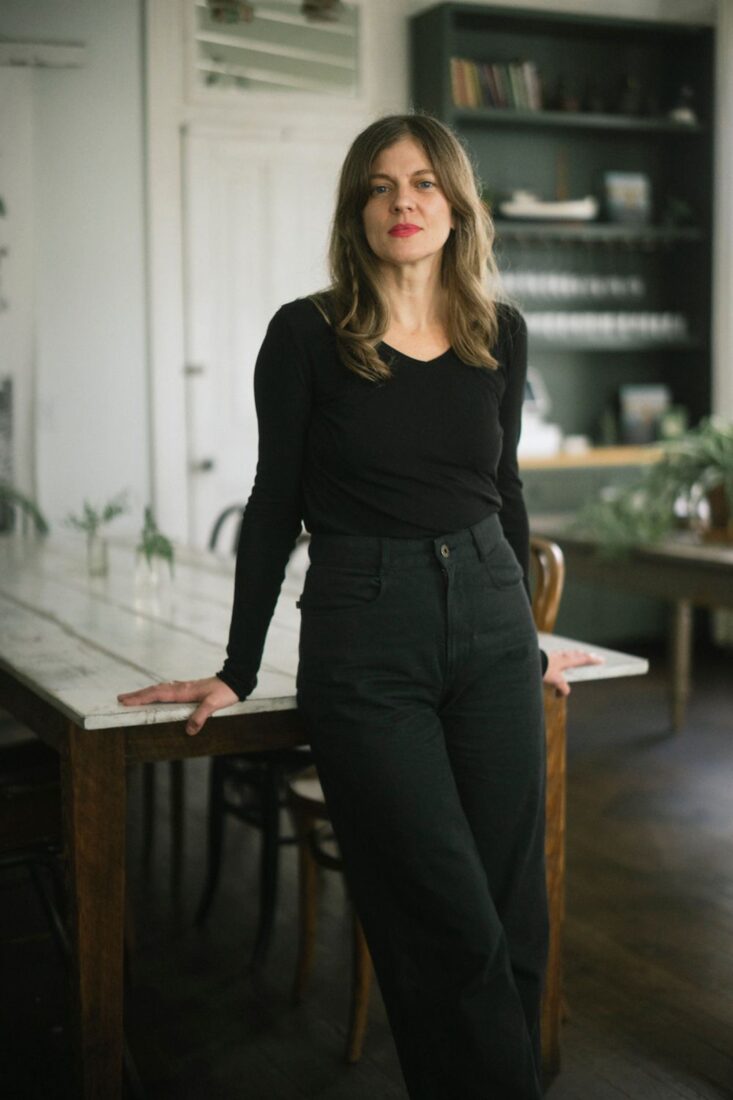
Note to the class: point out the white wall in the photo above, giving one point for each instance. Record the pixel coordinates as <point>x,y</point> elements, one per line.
<point>16,267</point>
<point>90,370</point>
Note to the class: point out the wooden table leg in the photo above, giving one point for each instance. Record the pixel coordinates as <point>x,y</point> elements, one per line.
<point>680,661</point>
<point>555,727</point>
<point>93,788</point>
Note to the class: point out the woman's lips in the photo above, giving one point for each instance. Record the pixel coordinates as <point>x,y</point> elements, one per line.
<point>404,230</point>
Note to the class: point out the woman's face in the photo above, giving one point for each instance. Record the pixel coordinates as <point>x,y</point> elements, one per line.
<point>407,218</point>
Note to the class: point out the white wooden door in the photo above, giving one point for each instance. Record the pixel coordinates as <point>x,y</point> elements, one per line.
<point>256,222</point>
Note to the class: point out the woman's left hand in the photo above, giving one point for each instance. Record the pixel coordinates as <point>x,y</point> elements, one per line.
<point>562,659</point>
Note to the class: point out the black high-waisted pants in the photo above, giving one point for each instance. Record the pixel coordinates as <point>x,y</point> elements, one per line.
<point>420,685</point>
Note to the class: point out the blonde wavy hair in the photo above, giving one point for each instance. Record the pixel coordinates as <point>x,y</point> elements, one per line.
<point>355,304</point>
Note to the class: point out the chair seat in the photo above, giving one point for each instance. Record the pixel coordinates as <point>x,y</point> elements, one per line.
<point>307,788</point>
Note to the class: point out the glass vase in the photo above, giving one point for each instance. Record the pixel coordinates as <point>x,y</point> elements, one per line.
<point>97,558</point>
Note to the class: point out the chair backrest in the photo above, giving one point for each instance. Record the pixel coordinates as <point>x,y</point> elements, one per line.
<point>547,576</point>
<point>221,519</point>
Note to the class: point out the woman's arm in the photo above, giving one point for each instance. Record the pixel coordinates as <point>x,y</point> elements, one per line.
<point>270,526</point>
<point>272,518</point>
<point>513,514</point>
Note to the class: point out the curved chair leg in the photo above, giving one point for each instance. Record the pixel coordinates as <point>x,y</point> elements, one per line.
<point>308,882</point>
<point>148,812</point>
<point>177,794</point>
<point>362,984</point>
<point>269,859</point>
<point>215,838</point>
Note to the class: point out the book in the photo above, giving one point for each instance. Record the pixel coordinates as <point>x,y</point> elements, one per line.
<point>515,85</point>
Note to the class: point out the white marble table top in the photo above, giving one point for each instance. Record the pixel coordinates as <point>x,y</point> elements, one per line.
<point>79,641</point>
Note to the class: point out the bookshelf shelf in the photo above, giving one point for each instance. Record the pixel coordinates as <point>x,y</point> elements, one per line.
<point>513,117</point>
<point>595,457</point>
<point>602,232</point>
<point>615,344</point>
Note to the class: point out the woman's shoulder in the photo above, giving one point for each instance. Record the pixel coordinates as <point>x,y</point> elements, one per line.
<point>510,319</point>
<point>306,318</point>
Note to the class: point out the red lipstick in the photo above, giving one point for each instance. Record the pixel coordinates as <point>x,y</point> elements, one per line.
<point>404,229</point>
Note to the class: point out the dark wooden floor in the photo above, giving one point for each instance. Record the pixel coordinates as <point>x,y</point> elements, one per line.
<point>649,943</point>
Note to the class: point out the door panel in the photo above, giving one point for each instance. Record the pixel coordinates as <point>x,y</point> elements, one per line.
<point>256,221</point>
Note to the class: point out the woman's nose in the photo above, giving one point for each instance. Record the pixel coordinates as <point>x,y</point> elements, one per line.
<point>402,199</point>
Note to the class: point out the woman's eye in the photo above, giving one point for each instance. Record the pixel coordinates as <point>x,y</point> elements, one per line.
<point>379,189</point>
<point>426,184</point>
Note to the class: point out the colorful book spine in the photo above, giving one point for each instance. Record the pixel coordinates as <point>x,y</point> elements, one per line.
<point>513,85</point>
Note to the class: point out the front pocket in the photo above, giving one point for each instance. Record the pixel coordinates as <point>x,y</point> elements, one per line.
<point>328,589</point>
<point>503,567</point>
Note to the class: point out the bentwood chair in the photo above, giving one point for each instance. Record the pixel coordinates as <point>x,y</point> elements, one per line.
<point>317,848</point>
<point>249,787</point>
<point>310,813</point>
<point>547,579</point>
<point>231,520</point>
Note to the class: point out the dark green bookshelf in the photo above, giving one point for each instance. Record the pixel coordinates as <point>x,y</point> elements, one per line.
<point>517,149</point>
<point>530,150</point>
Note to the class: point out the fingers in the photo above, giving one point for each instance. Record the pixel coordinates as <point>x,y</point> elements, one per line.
<point>575,658</point>
<point>555,679</point>
<point>196,722</point>
<point>210,694</point>
<point>183,691</point>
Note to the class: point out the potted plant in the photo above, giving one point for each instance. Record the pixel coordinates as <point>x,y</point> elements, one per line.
<point>154,545</point>
<point>15,502</point>
<point>692,483</point>
<point>90,521</point>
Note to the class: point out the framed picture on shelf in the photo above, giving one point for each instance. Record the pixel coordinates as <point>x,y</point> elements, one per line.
<point>628,197</point>
<point>641,409</point>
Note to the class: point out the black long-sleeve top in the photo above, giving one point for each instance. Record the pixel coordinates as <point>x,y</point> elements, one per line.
<point>431,450</point>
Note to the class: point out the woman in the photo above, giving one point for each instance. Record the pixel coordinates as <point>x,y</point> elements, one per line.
<point>389,413</point>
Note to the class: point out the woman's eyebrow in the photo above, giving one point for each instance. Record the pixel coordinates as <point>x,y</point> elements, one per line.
<point>418,172</point>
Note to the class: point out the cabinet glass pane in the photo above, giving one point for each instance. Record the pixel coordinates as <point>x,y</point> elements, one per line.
<point>276,46</point>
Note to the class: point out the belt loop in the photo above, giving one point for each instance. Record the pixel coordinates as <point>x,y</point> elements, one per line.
<point>478,541</point>
<point>486,534</point>
<point>384,555</point>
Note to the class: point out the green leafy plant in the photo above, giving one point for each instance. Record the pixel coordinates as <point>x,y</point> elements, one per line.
<point>153,543</point>
<point>696,466</point>
<point>92,518</point>
<point>28,508</point>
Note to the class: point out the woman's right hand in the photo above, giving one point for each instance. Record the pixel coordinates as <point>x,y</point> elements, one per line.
<point>211,694</point>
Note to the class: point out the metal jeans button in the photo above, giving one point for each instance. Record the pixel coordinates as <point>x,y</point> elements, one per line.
<point>445,551</point>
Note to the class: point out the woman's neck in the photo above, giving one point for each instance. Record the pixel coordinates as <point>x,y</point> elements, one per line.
<point>416,302</point>
<point>417,317</point>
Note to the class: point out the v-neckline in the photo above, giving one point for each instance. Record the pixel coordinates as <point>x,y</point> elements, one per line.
<point>424,362</point>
